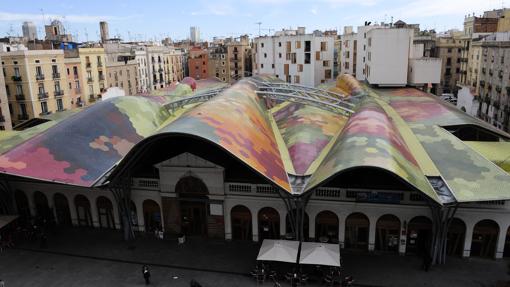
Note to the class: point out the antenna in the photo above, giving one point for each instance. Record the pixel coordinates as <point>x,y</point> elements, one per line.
<point>44,18</point>
<point>259,23</point>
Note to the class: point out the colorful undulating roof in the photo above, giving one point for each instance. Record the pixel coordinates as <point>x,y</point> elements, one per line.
<point>395,130</point>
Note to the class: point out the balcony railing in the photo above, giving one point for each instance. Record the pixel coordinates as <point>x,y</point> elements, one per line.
<point>42,96</point>
<point>92,98</point>
<point>56,75</point>
<point>88,65</point>
<point>20,97</point>
<point>101,77</point>
<point>90,80</point>
<point>45,113</point>
<point>16,78</point>
<point>59,93</point>
<point>99,64</point>
<point>39,77</point>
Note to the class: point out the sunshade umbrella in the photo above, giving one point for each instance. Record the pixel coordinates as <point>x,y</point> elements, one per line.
<point>320,254</point>
<point>278,250</point>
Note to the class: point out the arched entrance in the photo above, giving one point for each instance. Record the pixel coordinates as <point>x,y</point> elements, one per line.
<point>269,223</point>
<point>193,205</point>
<point>455,237</point>
<point>387,233</point>
<point>83,211</point>
<point>105,212</point>
<point>241,223</point>
<point>356,231</point>
<point>485,238</point>
<point>306,225</point>
<point>506,252</point>
<point>23,206</point>
<point>419,235</point>
<point>42,209</point>
<point>326,226</point>
<point>62,210</point>
<point>151,215</point>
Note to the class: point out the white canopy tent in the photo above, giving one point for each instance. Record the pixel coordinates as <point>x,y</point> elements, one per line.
<point>6,219</point>
<point>279,250</point>
<point>317,253</point>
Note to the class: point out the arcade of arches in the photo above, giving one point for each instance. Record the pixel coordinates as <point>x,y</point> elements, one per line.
<point>193,216</point>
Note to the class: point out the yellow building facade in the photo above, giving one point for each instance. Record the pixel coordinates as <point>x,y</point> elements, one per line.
<point>93,69</point>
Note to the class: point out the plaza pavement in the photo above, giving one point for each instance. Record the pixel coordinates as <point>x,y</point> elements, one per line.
<point>86,257</point>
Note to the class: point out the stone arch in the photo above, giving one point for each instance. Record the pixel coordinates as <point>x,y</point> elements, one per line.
<point>241,221</point>
<point>387,233</point>
<point>151,215</point>
<point>193,207</point>
<point>419,235</point>
<point>356,231</point>
<point>105,212</point>
<point>62,209</point>
<point>326,226</point>
<point>22,206</point>
<point>485,238</point>
<point>455,238</point>
<point>42,208</point>
<point>83,213</point>
<point>506,252</point>
<point>269,223</point>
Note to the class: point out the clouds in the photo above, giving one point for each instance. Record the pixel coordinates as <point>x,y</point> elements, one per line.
<point>72,18</point>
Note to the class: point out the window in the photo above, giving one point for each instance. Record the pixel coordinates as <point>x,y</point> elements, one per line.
<point>317,56</point>
<point>57,86</point>
<point>54,69</point>
<point>75,72</point>
<point>44,107</point>
<point>307,58</point>
<point>272,66</point>
<point>448,61</point>
<point>449,50</point>
<point>326,63</point>
<point>265,55</point>
<point>308,46</point>
<point>261,45</point>
<point>279,44</point>
<point>60,105</point>
<point>41,88</point>
<point>300,67</point>
<point>262,66</point>
<point>280,55</point>
<point>38,71</point>
<point>23,110</point>
<point>298,44</point>
<point>296,79</point>
<point>346,65</point>
<point>324,46</point>
<point>16,72</point>
<point>370,41</point>
<point>327,74</point>
<point>7,91</point>
<point>68,72</point>
<point>19,90</point>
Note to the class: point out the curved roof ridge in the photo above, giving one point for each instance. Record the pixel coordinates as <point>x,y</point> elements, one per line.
<point>371,139</point>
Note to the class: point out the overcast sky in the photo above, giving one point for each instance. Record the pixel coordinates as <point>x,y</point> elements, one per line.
<point>148,19</point>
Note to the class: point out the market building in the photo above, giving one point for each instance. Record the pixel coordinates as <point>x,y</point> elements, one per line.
<point>369,169</point>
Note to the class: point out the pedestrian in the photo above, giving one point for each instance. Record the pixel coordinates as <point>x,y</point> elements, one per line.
<point>146,274</point>
<point>2,283</point>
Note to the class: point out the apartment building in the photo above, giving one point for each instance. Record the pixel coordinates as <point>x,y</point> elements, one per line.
<point>156,62</point>
<point>386,55</point>
<point>177,67</point>
<point>5,116</point>
<point>74,80</point>
<point>295,57</point>
<point>494,80</point>
<point>238,56</point>
<point>93,69</point>
<point>142,69</point>
<point>198,59</point>
<point>218,66</point>
<point>35,83</point>
<point>123,74</point>
<point>449,49</point>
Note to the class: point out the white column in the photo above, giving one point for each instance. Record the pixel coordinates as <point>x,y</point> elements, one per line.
<point>283,224</point>
<point>467,240</point>
<point>31,203</point>
<point>402,238</point>
<point>228,222</point>
<point>93,211</point>
<point>255,225</point>
<point>72,209</point>
<point>139,214</point>
<point>341,231</point>
<point>116,215</point>
<point>371,235</point>
<point>311,229</point>
<point>500,248</point>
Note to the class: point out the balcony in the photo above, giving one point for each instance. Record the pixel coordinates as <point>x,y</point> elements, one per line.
<point>99,64</point>
<point>92,98</point>
<point>491,73</point>
<point>482,84</point>
<point>42,96</point>
<point>101,77</point>
<point>20,97</point>
<point>500,75</point>
<point>160,70</point>
<point>483,71</point>
<point>23,117</point>
<point>76,76</point>
<point>39,77</point>
<point>56,75</point>
<point>498,89</point>
<point>2,119</point>
<point>59,93</point>
<point>88,65</point>
<point>90,80</point>
<point>45,113</point>
<point>16,78</point>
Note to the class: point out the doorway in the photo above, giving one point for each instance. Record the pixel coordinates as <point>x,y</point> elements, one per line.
<point>193,201</point>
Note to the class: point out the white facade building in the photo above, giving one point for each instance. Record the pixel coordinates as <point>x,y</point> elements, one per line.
<point>295,57</point>
<point>194,34</point>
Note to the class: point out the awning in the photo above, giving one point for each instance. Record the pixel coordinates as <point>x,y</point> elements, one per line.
<point>279,250</point>
<point>320,254</point>
<point>6,219</point>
